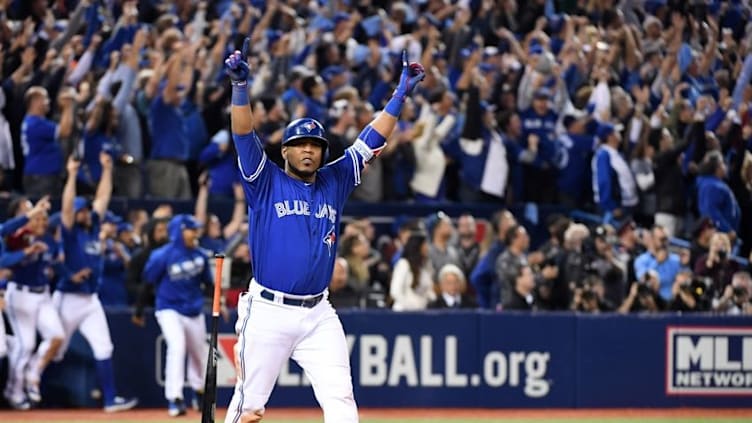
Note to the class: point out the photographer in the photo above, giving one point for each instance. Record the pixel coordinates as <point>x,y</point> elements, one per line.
<point>588,296</point>
<point>689,294</point>
<point>736,297</point>
<point>643,295</point>
<point>716,264</point>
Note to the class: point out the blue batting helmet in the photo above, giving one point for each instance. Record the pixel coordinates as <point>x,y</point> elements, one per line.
<point>305,128</point>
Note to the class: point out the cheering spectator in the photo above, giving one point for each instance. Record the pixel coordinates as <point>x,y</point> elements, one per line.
<point>452,286</point>
<point>613,183</point>
<point>717,263</point>
<point>467,247</point>
<point>440,250</point>
<point>341,293</point>
<point>41,140</point>
<point>412,286</point>
<point>435,122</point>
<point>521,295</point>
<point>484,277</point>
<point>716,200</point>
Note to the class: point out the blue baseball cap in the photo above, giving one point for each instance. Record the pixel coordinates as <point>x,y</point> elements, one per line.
<point>124,227</point>
<point>111,217</point>
<point>340,17</point>
<point>80,203</point>
<point>542,93</point>
<point>188,222</point>
<point>273,35</point>
<point>606,129</point>
<point>331,71</point>
<point>55,220</point>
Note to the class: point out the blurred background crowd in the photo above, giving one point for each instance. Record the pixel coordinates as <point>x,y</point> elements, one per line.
<point>635,111</point>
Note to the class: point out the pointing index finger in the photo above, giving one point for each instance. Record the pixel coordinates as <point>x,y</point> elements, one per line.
<point>404,57</point>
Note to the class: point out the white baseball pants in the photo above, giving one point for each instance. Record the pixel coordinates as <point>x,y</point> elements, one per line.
<point>28,312</point>
<point>183,334</point>
<point>269,333</point>
<point>85,313</point>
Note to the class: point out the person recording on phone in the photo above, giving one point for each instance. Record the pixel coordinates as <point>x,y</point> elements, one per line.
<point>717,264</point>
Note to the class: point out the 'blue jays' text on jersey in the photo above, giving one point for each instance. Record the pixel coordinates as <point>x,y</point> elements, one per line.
<point>82,249</point>
<point>178,273</point>
<point>293,225</point>
<point>33,270</point>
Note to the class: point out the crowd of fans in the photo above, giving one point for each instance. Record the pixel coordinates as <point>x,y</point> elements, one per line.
<point>626,108</point>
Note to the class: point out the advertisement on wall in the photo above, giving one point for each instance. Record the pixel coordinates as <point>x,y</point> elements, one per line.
<point>708,361</point>
<point>493,360</point>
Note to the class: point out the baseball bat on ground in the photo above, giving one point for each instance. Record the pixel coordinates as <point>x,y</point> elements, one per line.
<point>209,407</point>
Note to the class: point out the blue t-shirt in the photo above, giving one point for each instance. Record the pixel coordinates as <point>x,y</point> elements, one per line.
<point>573,162</point>
<point>168,131</point>
<point>111,289</point>
<point>295,223</point>
<point>82,249</point>
<point>42,153</point>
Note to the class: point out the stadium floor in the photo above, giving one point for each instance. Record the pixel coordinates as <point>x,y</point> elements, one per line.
<point>690,415</point>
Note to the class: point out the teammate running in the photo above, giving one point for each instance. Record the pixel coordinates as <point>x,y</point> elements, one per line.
<point>76,296</point>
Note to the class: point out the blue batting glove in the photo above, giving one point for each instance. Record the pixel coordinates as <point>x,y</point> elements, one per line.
<point>412,73</point>
<point>236,65</point>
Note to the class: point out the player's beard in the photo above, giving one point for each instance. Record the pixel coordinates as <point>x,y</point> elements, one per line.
<point>305,175</point>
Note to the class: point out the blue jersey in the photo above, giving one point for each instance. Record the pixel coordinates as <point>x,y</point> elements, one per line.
<point>178,272</point>
<point>293,239</point>
<point>169,137</point>
<point>82,249</point>
<point>42,153</point>
<point>33,270</point>
<point>111,289</point>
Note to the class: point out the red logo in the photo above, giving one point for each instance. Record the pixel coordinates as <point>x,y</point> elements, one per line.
<point>330,239</point>
<point>309,126</point>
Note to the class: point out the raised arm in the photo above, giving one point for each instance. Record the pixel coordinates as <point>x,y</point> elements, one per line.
<point>374,135</point>
<point>104,189</point>
<point>69,193</point>
<point>251,156</point>
<point>238,212</point>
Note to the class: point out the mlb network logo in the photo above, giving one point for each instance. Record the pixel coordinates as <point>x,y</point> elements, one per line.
<point>708,360</point>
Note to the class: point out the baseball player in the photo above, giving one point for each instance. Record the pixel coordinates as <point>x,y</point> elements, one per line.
<point>34,257</point>
<point>177,270</point>
<point>76,295</point>
<point>294,214</point>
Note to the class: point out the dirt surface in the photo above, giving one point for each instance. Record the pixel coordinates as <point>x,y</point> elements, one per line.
<point>84,415</point>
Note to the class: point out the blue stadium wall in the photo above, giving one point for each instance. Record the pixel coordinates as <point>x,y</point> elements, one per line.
<point>472,359</point>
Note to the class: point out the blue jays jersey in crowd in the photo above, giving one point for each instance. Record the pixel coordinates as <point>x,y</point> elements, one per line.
<point>82,248</point>
<point>34,270</point>
<point>178,272</point>
<point>293,225</point>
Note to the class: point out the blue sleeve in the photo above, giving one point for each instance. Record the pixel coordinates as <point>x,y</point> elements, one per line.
<point>155,268</point>
<point>378,94</point>
<point>713,121</point>
<point>711,205</point>
<point>251,156</point>
<point>640,266</point>
<point>209,154</point>
<point>8,259</point>
<point>12,225</point>
<point>482,279</point>
<point>603,167</point>
<point>742,81</point>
